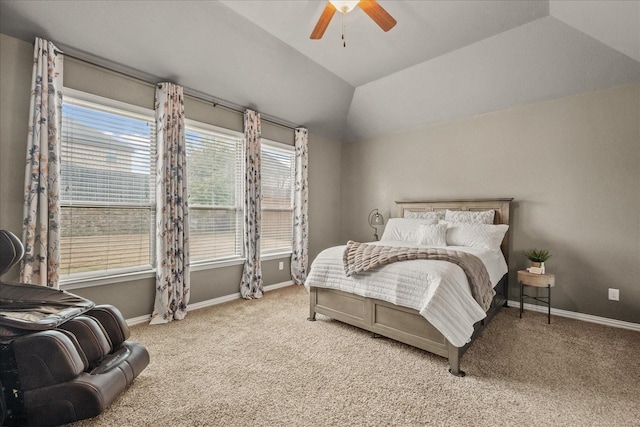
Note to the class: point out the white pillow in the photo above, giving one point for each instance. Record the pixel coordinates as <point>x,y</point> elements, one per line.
<point>431,216</point>
<point>475,217</point>
<point>433,234</point>
<point>403,229</point>
<point>485,236</point>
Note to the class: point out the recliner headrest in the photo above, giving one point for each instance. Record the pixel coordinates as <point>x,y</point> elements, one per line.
<point>11,251</point>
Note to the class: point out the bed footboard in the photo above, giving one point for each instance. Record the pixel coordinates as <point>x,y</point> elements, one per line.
<point>383,318</point>
<point>398,323</point>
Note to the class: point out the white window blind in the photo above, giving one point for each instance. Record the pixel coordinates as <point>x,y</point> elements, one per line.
<point>107,189</point>
<point>277,197</point>
<point>214,168</point>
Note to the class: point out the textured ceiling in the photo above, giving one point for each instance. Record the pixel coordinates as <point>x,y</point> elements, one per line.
<point>443,60</point>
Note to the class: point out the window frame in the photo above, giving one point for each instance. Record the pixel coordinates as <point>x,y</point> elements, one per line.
<point>271,254</point>
<point>228,260</point>
<point>124,274</point>
<point>128,274</point>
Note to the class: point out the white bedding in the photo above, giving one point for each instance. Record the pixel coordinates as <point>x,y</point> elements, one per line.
<point>437,289</point>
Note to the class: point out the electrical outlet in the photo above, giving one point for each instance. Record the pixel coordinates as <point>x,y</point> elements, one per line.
<point>281,265</point>
<point>614,294</point>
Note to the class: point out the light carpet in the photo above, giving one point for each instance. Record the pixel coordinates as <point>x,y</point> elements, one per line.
<point>261,363</point>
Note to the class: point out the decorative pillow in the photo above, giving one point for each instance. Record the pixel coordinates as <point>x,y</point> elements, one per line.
<point>474,217</point>
<point>403,229</point>
<point>432,216</point>
<point>433,234</point>
<point>485,236</point>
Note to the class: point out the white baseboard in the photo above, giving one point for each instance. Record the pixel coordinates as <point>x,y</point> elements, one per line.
<point>209,302</point>
<point>277,286</point>
<point>138,320</point>
<point>533,307</point>
<point>578,316</point>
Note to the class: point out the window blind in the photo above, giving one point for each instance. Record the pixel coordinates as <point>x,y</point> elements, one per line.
<point>277,197</point>
<point>107,189</point>
<point>214,170</point>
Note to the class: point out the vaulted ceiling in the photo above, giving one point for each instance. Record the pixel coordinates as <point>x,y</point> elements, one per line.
<point>444,60</point>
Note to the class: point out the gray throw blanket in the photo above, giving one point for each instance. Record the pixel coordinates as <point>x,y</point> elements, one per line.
<point>359,257</point>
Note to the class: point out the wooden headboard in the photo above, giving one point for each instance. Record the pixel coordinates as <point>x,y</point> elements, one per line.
<point>501,207</point>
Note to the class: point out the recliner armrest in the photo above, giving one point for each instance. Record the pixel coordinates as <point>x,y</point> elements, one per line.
<point>113,323</point>
<point>91,336</point>
<point>46,358</point>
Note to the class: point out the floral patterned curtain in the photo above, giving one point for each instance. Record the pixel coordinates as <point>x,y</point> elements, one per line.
<point>252,284</point>
<point>40,231</point>
<point>172,212</point>
<point>299,256</point>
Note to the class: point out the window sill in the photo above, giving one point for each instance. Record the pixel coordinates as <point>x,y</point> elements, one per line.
<point>275,255</point>
<point>88,282</point>
<point>208,265</point>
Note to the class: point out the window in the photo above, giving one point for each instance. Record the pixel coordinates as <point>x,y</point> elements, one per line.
<point>215,179</point>
<point>277,197</point>
<point>107,188</point>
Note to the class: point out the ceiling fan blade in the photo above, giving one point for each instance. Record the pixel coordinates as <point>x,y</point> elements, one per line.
<point>378,14</point>
<point>323,22</point>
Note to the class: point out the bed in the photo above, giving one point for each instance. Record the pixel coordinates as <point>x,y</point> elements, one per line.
<point>351,302</point>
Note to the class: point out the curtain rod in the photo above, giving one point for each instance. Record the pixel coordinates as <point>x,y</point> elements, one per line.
<point>151,80</point>
<point>234,107</point>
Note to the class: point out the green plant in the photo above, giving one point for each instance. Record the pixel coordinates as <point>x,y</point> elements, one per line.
<point>538,255</point>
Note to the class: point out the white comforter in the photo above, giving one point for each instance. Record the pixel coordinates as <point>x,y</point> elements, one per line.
<point>437,289</point>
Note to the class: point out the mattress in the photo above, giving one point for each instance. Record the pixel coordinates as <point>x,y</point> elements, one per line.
<point>438,290</point>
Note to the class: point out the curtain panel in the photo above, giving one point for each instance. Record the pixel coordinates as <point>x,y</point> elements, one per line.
<point>251,285</point>
<point>172,212</point>
<point>299,255</point>
<point>40,230</point>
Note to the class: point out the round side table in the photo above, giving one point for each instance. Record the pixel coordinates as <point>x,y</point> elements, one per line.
<point>539,281</point>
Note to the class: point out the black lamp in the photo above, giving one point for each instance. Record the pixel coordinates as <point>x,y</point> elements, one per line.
<point>375,220</point>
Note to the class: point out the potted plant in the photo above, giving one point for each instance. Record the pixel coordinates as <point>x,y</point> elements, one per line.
<point>538,257</point>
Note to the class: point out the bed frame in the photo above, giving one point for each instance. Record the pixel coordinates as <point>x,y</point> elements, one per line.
<point>404,324</point>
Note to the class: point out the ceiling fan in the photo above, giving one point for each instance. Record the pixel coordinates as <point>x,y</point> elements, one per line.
<point>370,7</point>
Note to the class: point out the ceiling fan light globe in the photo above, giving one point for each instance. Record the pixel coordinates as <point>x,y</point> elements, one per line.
<point>344,6</point>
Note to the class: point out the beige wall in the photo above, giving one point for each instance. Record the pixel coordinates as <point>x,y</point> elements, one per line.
<point>135,298</point>
<point>15,85</point>
<point>324,195</point>
<point>572,165</point>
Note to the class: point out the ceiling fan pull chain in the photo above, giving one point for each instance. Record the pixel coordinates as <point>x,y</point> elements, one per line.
<point>344,41</point>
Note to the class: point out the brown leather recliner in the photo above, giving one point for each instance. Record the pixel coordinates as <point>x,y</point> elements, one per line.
<point>62,358</point>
